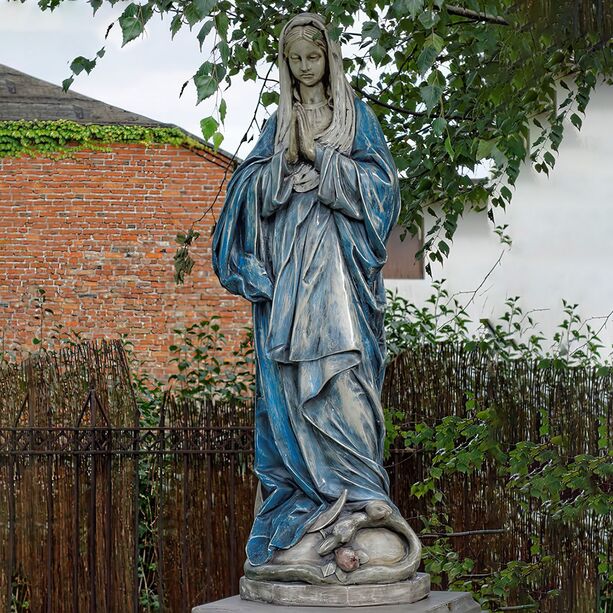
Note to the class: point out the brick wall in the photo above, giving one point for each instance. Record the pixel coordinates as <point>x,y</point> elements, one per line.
<point>96,232</point>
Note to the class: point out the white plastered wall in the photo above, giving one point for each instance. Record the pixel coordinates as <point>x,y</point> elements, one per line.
<point>562,232</point>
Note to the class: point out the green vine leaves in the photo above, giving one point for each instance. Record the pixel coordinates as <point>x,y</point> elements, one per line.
<point>60,138</point>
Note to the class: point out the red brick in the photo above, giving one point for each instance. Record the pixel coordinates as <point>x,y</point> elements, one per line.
<point>96,232</point>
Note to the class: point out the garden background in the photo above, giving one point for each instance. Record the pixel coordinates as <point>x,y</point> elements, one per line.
<point>122,493</point>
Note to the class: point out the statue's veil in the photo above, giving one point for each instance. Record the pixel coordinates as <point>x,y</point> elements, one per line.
<point>339,134</point>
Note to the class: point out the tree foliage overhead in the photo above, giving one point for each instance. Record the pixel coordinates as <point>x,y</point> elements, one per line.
<point>457,87</point>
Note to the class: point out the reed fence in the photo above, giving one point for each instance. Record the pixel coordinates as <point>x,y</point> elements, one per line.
<point>101,513</point>
<point>431,382</point>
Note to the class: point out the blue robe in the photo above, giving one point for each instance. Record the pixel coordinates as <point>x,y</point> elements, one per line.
<point>311,264</point>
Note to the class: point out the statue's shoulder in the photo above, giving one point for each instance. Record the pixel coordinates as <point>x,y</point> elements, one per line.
<point>270,123</point>
<point>266,140</point>
<point>359,103</point>
<point>363,110</point>
<point>366,121</point>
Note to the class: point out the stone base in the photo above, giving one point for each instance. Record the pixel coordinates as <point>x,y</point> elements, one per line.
<point>436,602</point>
<point>307,595</point>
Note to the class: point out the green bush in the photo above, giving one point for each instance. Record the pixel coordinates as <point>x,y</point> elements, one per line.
<point>546,473</point>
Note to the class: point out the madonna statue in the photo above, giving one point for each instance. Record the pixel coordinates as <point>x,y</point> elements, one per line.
<point>302,236</point>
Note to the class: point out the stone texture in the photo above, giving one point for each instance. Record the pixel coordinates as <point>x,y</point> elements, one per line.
<point>299,594</point>
<point>436,602</point>
<point>304,594</point>
<point>383,557</point>
<point>347,559</point>
<point>383,546</point>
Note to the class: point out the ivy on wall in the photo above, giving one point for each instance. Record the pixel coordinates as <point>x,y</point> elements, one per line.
<point>61,138</point>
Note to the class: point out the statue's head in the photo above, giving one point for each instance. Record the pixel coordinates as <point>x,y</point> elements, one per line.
<point>306,51</point>
<point>308,55</point>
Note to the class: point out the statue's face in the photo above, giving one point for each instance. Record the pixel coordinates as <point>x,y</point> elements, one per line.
<point>307,62</point>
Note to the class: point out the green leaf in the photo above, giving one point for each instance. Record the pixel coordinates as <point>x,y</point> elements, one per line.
<point>549,159</point>
<point>205,6</point>
<point>66,83</point>
<point>269,98</point>
<point>439,125</point>
<point>192,14</point>
<point>378,53</point>
<point>223,109</point>
<point>402,8</point>
<point>204,31</point>
<point>209,126</point>
<point>79,64</point>
<point>431,95</point>
<point>217,140</point>
<point>429,18</point>
<point>224,51</point>
<point>432,47</point>
<point>371,30</point>
<point>576,121</point>
<point>426,58</point>
<point>133,20</point>
<point>221,24</point>
<point>449,150</point>
<point>436,77</point>
<point>250,74</point>
<point>434,40</point>
<point>207,79</point>
<point>175,26</point>
<point>484,148</point>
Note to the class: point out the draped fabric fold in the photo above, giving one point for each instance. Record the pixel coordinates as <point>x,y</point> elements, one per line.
<point>310,262</point>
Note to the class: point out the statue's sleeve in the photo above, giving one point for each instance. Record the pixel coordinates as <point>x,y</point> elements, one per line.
<point>276,185</point>
<point>258,187</point>
<point>363,186</point>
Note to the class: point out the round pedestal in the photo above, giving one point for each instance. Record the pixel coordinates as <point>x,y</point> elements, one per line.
<point>307,595</point>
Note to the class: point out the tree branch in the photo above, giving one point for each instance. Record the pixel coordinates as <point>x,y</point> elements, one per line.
<point>391,107</point>
<point>460,534</point>
<point>406,60</point>
<point>400,109</point>
<point>234,155</point>
<point>476,16</point>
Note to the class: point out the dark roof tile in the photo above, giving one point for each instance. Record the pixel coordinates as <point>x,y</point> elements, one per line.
<point>25,97</point>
